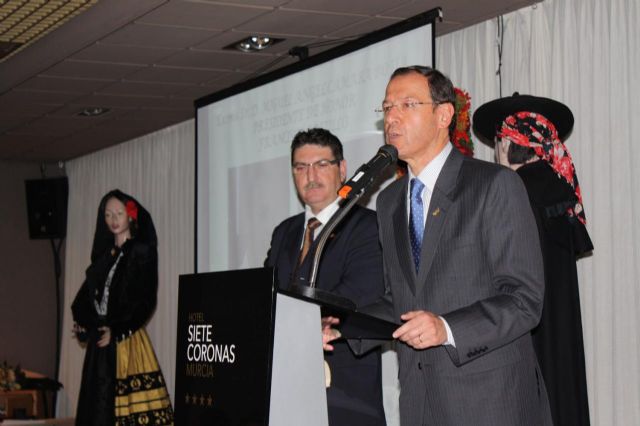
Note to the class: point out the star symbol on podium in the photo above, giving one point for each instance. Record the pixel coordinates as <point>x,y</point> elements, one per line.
<point>210,401</point>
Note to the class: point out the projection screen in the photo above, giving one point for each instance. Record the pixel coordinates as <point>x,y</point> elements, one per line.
<point>244,186</point>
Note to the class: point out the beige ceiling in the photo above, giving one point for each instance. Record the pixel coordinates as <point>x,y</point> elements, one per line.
<point>148,60</point>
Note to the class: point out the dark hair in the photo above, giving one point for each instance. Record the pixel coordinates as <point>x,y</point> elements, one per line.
<point>141,229</point>
<point>123,198</point>
<point>518,154</point>
<point>440,87</point>
<point>317,136</point>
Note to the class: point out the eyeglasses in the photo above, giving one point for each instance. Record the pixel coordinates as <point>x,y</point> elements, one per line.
<point>403,106</point>
<point>319,166</point>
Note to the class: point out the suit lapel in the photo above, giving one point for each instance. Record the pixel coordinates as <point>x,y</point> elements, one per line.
<point>293,242</point>
<point>326,257</point>
<point>401,232</point>
<point>441,200</point>
<point>294,238</point>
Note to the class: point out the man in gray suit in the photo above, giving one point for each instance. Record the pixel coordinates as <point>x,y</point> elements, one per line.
<point>464,269</point>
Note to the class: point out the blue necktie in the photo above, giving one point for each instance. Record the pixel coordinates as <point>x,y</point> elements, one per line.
<point>416,221</point>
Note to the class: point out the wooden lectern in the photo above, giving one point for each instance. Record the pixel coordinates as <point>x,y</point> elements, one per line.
<point>249,354</point>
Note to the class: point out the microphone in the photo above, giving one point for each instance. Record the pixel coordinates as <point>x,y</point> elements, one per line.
<point>364,176</point>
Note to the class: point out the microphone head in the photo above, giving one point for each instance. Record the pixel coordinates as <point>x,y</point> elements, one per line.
<point>389,151</point>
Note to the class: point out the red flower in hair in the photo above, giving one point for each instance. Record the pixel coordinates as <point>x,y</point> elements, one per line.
<point>461,135</point>
<point>132,210</point>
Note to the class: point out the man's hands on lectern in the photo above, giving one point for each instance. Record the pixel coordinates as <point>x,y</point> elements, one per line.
<point>328,332</point>
<point>421,330</point>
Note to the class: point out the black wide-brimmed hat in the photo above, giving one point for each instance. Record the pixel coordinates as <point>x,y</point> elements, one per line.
<point>488,119</point>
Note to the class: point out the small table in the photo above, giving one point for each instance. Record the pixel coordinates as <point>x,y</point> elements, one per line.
<point>21,404</point>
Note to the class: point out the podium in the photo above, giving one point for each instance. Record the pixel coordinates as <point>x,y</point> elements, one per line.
<point>249,354</point>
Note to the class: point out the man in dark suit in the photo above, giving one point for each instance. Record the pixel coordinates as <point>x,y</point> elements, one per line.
<point>463,264</point>
<point>351,266</point>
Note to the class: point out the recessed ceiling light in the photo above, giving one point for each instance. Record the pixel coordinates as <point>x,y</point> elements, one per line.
<point>24,22</point>
<point>93,112</point>
<point>254,43</point>
<point>244,46</point>
<point>260,43</point>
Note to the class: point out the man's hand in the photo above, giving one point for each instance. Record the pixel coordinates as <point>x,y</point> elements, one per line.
<point>421,330</point>
<point>105,338</point>
<point>328,332</point>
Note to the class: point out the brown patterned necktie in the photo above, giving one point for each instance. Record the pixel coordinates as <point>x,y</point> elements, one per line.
<point>312,224</point>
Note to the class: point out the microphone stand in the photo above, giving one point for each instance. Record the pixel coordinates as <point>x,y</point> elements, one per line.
<point>310,291</point>
<point>326,232</point>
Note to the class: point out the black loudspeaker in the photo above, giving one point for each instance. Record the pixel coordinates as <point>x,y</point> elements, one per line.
<point>47,207</point>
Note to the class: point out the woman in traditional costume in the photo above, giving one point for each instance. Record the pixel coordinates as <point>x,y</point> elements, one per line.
<point>528,132</point>
<point>122,383</point>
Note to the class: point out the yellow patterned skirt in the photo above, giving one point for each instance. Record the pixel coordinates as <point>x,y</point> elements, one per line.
<point>141,392</point>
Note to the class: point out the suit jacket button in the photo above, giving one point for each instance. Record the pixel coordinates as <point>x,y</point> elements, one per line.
<point>419,366</point>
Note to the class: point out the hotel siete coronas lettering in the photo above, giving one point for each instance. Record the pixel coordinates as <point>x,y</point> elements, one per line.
<point>202,351</point>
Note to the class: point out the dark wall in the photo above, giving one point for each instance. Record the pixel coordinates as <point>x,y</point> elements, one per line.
<point>27,279</point>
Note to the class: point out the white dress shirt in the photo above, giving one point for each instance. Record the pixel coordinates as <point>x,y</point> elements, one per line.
<point>428,176</point>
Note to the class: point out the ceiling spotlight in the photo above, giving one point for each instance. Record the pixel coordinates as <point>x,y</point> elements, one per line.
<point>93,112</point>
<point>254,43</point>
<point>260,43</point>
<point>244,46</point>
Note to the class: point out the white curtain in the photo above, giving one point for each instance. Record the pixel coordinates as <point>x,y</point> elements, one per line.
<point>584,53</point>
<point>158,170</point>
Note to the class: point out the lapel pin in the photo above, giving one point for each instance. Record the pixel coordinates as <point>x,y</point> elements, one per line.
<point>436,212</point>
